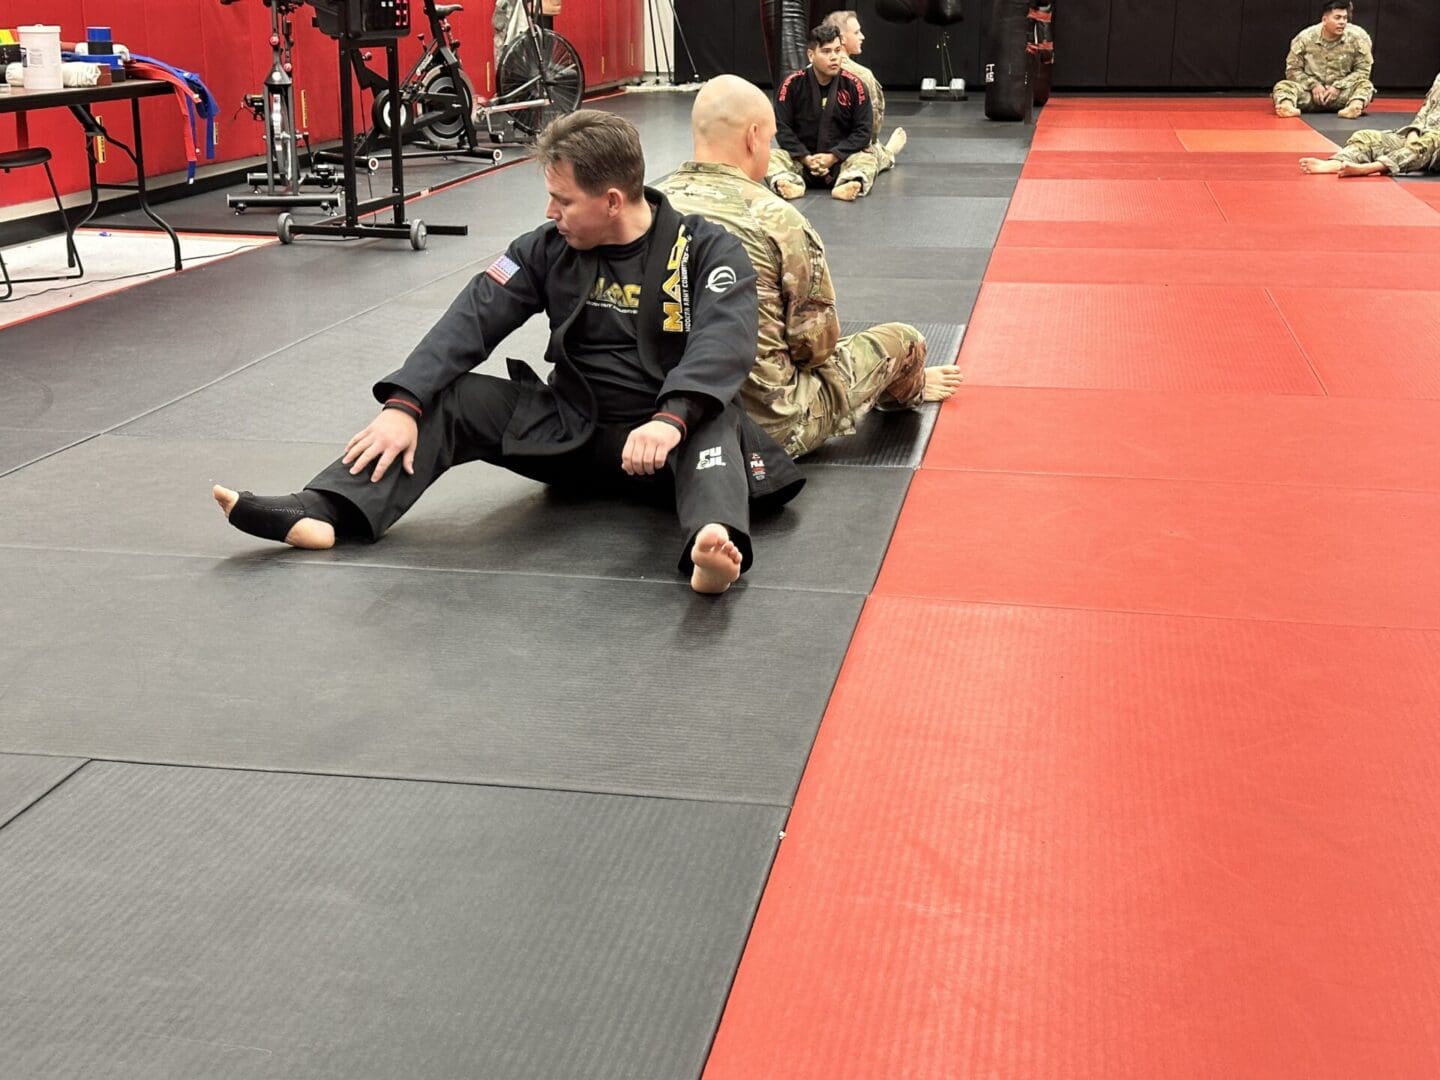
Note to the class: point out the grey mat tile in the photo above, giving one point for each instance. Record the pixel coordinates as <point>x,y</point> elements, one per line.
<point>985,180</point>
<point>853,260</point>
<point>26,778</point>
<point>533,681</point>
<point>152,496</point>
<point>167,924</point>
<point>19,446</point>
<point>907,299</point>
<point>955,150</point>
<point>916,221</point>
<point>893,440</point>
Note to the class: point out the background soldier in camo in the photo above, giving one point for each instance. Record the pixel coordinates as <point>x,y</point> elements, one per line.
<point>1328,68</point>
<point>808,383</point>
<point>861,169</point>
<point>1412,148</point>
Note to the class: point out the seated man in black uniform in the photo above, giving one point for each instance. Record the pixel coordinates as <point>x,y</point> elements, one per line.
<point>653,320</point>
<point>823,114</point>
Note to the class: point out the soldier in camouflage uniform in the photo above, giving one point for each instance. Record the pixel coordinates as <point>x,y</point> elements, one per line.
<point>808,383</point>
<point>1328,68</point>
<point>857,176</point>
<point>1412,148</point>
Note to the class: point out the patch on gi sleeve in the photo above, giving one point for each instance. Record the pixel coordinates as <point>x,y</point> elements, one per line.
<point>503,269</point>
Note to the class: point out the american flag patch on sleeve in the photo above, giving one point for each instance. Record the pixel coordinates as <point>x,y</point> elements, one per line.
<point>503,269</point>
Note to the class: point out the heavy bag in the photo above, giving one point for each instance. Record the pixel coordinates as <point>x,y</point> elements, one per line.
<point>944,12</point>
<point>1041,47</point>
<point>1007,62</point>
<point>786,24</point>
<point>898,11</point>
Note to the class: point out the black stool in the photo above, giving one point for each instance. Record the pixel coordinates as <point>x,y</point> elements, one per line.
<point>24,159</point>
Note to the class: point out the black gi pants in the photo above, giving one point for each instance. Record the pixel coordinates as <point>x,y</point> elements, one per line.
<point>704,475</point>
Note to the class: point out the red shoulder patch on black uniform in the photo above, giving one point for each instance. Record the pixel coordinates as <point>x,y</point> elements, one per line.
<point>785,86</point>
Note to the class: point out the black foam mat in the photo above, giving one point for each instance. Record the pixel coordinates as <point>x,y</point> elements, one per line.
<point>168,924</point>
<point>982,180</point>
<point>152,496</point>
<point>910,221</point>
<point>893,439</point>
<point>27,778</point>
<point>19,446</point>
<point>943,150</point>
<point>907,299</point>
<point>275,662</point>
<point>850,257</point>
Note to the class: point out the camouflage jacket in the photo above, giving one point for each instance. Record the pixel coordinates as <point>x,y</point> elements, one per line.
<point>798,325</point>
<point>1428,118</point>
<point>1342,63</point>
<point>877,95</point>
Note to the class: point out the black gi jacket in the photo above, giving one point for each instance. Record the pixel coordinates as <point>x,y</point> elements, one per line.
<point>697,327</point>
<point>842,128</point>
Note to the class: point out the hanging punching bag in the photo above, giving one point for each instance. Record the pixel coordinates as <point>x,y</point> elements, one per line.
<point>1007,62</point>
<point>898,11</point>
<point>786,25</point>
<point>944,12</point>
<point>1041,47</point>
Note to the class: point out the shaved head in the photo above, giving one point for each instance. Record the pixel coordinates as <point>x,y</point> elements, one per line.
<point>732,123</point>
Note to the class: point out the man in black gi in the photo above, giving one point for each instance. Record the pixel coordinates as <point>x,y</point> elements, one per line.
<point>653,319</point>
<point>823,114</point>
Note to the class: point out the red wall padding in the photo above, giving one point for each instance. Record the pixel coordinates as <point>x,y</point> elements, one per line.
<point>228,45</point>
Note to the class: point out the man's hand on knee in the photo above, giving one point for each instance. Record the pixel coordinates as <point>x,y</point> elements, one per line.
<point>393,434</point>
<point>647,447</point>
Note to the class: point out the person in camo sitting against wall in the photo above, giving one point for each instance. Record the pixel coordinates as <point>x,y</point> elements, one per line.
<point>1328,67</point>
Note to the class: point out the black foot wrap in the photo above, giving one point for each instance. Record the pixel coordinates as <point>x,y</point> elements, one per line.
<point>272,517</point>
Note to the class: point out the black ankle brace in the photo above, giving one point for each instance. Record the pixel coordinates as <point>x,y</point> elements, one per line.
<point>271,517</point>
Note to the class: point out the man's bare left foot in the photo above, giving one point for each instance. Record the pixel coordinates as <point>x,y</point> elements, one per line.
<point>846,192</point>
<point>307,533</point>
<point>1287,111</point>
<point>1370,168</point>
<point>717,561</point>
<point>897,141</point>
<point>789,189</point>
<point>1320,165</point>
<point>941,382</point>
<point>1352,111</point>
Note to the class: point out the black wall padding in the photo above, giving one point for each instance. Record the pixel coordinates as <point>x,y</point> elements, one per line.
<point>897,11</point>
<point>944,12</point>
<point>1205,47</point>
<point>1084,27</point>
<point>786,23</point>
<point>1409,31</point>
<point>1008,95</point>
<point>1142,38</point>
<point>1265,32</point>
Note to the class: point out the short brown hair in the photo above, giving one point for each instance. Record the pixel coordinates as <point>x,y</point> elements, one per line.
<point>603,150</point>
<point>838,19</point>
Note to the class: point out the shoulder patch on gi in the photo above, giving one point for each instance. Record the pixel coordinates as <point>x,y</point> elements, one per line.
<point>720,279</point>
<point>503,269</point>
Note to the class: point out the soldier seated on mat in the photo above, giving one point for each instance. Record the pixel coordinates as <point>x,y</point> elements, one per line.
<point>1328,67</point>
<point>1412,148</point>
<point>858,173</point>
<point>808,383</point>
<point>652,316</point>
<point>822,116</point>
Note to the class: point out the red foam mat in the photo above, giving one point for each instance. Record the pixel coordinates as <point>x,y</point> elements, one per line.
<point>1262,118</point>
<point>1088,165</point>
<point>1148,140</point>
<point>1160,266</point>
<point>1369,342</point>
<point>1301,140</point>
<point>1428,192</point>
<point>1249,551</point>
<point>1166,103</point>
<point>1329,200</point>
<point>1233,438</point>
<point>1079,845</point>
<point>1281,236</point>
<point>1133,201</point>
<point>1137,337</point>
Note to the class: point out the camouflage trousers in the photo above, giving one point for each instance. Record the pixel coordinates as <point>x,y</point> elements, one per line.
<point>1290,93</point>
<point>1418,152</point>
<point>883,366</point>
<point>865,166</point>
<point>783,167</point>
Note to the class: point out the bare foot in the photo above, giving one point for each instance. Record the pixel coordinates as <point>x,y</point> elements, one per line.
<point>896,142</point>
<point>1351,111</point>
<point>1287,111</point>
<point>846,192</point>
<point>941,382</point>
<point>789,189</point>
<point>1370,168</point>
<point>1320,165</point>
<point>305,533</point>
<point>717,561</point>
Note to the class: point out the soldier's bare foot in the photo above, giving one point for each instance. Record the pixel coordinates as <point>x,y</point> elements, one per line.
<point>941,382</point>
<point>1370,168</point>
<point>1287,111</point>
<point>1320,165</point>
<point>789,189</point>
<point>1351,111</point>
<point>306,533</point>
<point>846,192</point>
<point>897,141</point>
<point>717,561</point>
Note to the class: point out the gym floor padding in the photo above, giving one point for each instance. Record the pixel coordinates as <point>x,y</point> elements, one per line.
<point>1129,770</point>
<point>27,778</point>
